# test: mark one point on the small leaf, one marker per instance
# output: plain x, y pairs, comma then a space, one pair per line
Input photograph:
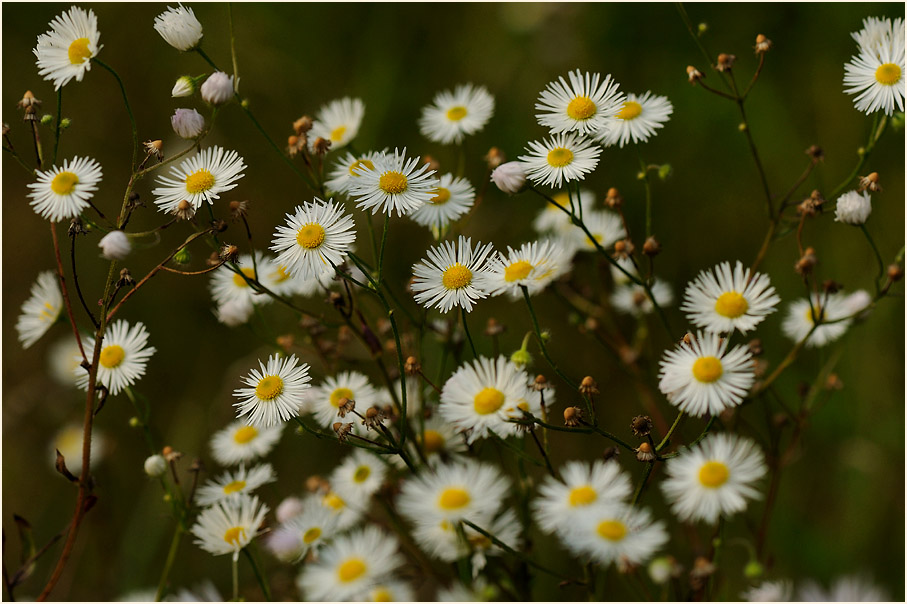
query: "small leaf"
60, 465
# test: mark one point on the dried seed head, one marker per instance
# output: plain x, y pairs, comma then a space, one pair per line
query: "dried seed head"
702, 570
30, 104
833, 382
807, 262
763, 44
155, 148
831, 287
76, 227
755, 346
870, 182
321, 146
588, 386
228, 253
651, 247
494, 158
219, 225
184, 210
171, 455
373, 418
125, 278
613, 199
572, 416
641, 425
295, 144
624, 248
895, 272
302, 125
540, 383
590, 324
238, 210
493, 328
816, 152
316, 483
342, 430
336, 300
645, 452
411, 366
687, 339
694, 74
725, 62
611, 453
286, 341
812, 204
344, 406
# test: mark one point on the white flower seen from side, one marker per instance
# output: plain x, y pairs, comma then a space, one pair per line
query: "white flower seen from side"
218, 88
41, 310
187, 123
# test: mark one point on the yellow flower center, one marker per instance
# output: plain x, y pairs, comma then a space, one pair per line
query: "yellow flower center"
382, 595
245, 434
612, 530
341, 393
48, 313
583, 495
713, 474
731, 305
239, 281
888, 74
310, 236
441, 197
234, 487
454, 498
281, 275
64, 183
630, 110
432, 441
269, 387
809, 313
456, 276
311, 535
337, 133
392, 182
517, 271
351, 570
707, 369
359, 163
560, 157
334, 501
78, 51
455, 114
199, 182
234, 535
361, 474
488, 401
112, 356
581, 108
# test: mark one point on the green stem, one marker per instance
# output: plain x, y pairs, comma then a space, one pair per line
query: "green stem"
878, 127
259, 576
878, 256
57, 126
233, 47
171, 558
645, 173
135, 132
519, 555
642, 483
387, 218
671, 430
472, 346
20, 160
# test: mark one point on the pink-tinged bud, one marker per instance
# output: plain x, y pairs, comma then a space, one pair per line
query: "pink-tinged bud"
187, 123
218, 88
510, 177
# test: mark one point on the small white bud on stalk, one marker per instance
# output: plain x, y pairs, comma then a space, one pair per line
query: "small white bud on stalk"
187, 123
853, 208
155, 466
115, 245
179, 28
218, 88
233, 314
184, 86
289, 508
509, 177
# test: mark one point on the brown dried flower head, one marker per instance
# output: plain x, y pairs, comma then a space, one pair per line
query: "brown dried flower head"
613, 199
572, 416
641, 425
321, 146
694, 74
870, 182
228, 253
645, 452
344, 406
725, 62
411, 366
302, 125
494, 158
763, 44
184, 210
239, 210
588, 386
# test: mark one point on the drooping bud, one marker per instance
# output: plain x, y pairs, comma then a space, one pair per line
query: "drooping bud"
155, 466
218, 88
187, 123
115, 245
509, 177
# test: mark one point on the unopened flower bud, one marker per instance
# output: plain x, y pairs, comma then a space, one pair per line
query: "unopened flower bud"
65, 123
218, 88
895, 272
665, 171
651, 247
47, 119
694, 74
184, 86
134, 422
179, 28
521, 358
494, 158
187, 123
540, 383
155, 466
807, 262
624, 248
182, 256
509, 177
753, 570
702, 28
853, 208
288, 509
115, 245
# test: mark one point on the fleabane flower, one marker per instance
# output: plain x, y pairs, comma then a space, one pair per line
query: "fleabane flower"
721, 300
393, 184
583, 105
466, 490
315, 239
703, 377
454, 114
62, 193
201, 178
234, 484
325, 399
187, 123
560, 159
604, 226
509, 177
638, 119
852, 588
770, 591
229, 526
241, 443
834, 312
124, 357
218, 88
343, 175
876, 75
179, 28
877, 31
65, 52
533, 266
615, 533
307, 530
714, 478
853, 208
441, 539
230, 287
452, 275
453, 198
338, 122
554, 220
358, 477
275, 393
633, 299
41, 310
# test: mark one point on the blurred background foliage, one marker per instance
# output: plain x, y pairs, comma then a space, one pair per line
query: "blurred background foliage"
841, 504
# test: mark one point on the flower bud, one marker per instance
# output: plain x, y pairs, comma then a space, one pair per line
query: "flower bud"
155, 466
47, 119
65, 123
187, 123
521, 358
184, 86
753, 570
115, 245
853, 208
179, 28
288, 508
218, 88
509, 177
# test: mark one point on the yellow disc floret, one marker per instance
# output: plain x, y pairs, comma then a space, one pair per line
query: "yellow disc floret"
731, 305
630, 110
713, 474
340, 394
78, 51
888, 74
199, 182
351, 569
310, 236
455, 114
234, 535
112, 356
456, 276
239, 281
360, 163
269, 387
583, 495
361, 474
612, 530
488, 400
234, 487
454, 498
64, 183
441, 197
337, 133
311, 535
392, 182
581, 108
245, 434
560, 157
707, 369
517, 271
432, 441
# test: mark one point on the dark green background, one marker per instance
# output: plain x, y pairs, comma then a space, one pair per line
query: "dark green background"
841, 505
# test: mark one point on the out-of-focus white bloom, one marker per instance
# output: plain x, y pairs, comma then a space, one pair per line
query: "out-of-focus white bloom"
63, 358
68, 442
229, 526
618, 532
637, 120
852, 588
454, 114
308, 529
509, 177
464, 490
853, 208
41, 310
217, 88
179, 28
554, 220
234, 313
770, 591
837, 307
338, 122
288, 509
234, 484
202, 592
358, 477
633, 299
115, 245
187, 123
239, 443
65, 52
62, 193
533, 266
661, 569
155, 466
453, 198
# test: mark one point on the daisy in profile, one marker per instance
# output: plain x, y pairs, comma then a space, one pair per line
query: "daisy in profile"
484, 395
876, 75
240, 443
65, 52
604, 225
394, 184
533, 266
338, 122
703, 377
350, 565
41, 310
560, 159
452, 275
638, 119
721, 300
466, 490
584, 105
770, 591
307, 530
201, 178
228, 286
124, 356
325, 400
316, 238
275, 393
838, 307
344, 173
618, 532
453, 198
234, 484
229, 526
583, 485
553, 220
713, 478
877, 31
853, 588
359, 476
633, 299
62, 193
179, 28
454, 114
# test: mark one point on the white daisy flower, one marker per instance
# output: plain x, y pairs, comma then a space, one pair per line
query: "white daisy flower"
241, 443
769, 591
638, 119
234, 484
229, 526
632, 299
832, 307
583, 105
234, 313
390, 590
878, 31
41, 310
853, 208
393, 184
454, 114
201, 178
275, 393
703, 377
316, 238
616, 532
309, 529
345, 513
338, 122
853, 588
441, 539
69, 441
62, 359
713, 478
465, 490
534, 266
554, 220
452, 275
358, 477
227, 286
62, 193
583, 485
440, 441
324, 401
453, 198
124, 356
606, 227
876, 76
65, 52
721, 301
560, 159
350, 565
343, 175
179, 28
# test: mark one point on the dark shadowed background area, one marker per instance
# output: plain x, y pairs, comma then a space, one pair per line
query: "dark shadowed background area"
841, 503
